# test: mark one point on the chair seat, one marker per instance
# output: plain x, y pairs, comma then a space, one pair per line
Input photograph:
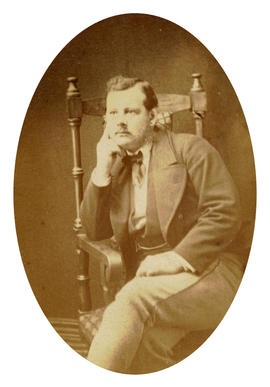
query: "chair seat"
90, 322
69, 330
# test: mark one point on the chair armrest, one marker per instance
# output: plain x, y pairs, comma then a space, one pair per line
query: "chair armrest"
107, 256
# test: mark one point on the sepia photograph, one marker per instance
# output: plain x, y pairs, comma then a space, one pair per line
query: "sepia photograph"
135, 195
163, 214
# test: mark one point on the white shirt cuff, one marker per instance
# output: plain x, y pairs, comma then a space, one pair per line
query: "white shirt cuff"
100, 180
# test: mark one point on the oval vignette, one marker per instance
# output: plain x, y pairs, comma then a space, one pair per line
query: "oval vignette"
134, 45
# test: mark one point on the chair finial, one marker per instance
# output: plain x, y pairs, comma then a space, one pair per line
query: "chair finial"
198, 102
197, 86
72, 89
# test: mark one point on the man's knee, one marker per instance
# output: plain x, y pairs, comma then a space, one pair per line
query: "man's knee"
135, 295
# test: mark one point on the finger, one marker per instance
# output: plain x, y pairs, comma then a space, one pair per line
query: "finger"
115, 149
141, 272
107, 129
110, 146
105, 135
120, 150
147, 273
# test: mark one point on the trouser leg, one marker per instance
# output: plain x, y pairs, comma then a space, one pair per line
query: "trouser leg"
115, 344
197, 308
156, 349
176, 303
125, 320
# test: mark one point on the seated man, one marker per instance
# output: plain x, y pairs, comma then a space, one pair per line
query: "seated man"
172, 207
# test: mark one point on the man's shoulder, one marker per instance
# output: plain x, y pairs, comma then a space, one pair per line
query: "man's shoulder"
186, 147
190, 143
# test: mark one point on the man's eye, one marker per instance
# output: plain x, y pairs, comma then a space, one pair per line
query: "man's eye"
131, 111
113, 112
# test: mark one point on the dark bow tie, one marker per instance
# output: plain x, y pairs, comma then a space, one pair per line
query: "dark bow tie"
134, 159
138, 169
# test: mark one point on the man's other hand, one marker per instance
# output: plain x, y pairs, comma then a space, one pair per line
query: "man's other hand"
160, 264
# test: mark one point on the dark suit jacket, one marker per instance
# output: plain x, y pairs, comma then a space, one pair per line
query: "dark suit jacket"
196, 201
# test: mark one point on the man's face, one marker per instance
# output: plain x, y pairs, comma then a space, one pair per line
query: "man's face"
127, 119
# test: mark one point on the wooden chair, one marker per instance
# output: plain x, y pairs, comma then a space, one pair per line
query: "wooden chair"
104, 253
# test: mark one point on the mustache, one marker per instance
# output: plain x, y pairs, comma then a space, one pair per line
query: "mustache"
122, 130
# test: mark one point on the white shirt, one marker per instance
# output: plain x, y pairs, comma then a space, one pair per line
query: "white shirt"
139, 197
139, 192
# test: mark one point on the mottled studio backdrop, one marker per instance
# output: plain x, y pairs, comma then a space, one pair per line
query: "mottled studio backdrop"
134, 45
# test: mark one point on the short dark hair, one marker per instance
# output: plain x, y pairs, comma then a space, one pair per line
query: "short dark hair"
122, 83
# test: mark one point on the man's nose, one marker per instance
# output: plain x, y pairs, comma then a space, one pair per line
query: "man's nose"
121, 121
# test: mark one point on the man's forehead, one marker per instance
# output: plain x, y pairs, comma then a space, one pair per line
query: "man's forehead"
121, 98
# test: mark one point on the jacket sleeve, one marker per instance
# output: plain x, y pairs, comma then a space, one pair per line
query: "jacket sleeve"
218, 205
95, 212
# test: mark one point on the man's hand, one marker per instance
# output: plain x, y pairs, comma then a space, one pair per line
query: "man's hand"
106, 151
163, 263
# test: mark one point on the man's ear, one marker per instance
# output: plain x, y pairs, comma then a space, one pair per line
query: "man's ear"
153, 117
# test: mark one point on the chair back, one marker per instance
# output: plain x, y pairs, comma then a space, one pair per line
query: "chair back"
168, 104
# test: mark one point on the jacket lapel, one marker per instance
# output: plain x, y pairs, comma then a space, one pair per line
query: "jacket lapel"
169, 180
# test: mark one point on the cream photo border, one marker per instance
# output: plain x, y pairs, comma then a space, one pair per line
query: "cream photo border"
236, 34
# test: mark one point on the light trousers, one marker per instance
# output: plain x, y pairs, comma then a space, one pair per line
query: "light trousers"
150, 315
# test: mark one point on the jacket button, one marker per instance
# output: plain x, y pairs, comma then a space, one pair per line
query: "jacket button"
180, 216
